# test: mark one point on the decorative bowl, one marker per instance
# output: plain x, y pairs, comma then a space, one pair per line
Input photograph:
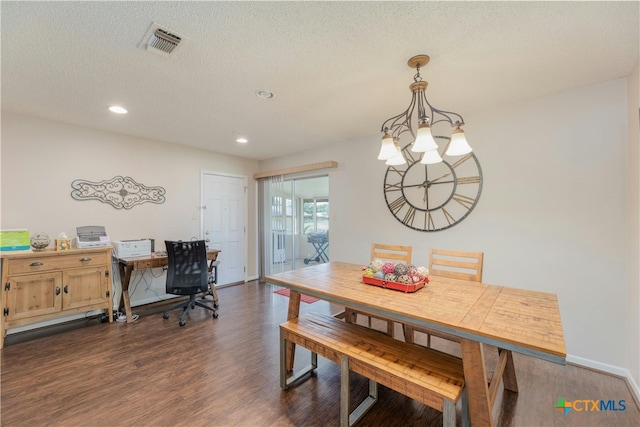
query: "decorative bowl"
40, 241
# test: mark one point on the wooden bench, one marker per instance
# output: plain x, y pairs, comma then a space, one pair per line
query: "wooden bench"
426, 375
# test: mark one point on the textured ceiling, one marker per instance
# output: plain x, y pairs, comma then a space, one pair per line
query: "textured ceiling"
338, 69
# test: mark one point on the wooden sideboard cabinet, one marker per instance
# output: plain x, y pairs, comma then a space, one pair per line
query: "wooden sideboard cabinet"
38, 286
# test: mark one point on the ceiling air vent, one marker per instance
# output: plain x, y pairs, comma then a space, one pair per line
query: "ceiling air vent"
160, 40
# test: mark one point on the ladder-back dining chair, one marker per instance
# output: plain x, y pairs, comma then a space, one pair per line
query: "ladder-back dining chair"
391, 253
453, 264
462, 265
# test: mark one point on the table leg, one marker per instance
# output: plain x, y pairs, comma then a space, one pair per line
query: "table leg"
293, 313
475, 377
213, 268
509, 374
125, 277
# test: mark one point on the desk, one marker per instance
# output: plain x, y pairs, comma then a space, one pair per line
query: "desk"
127, 265
519, 320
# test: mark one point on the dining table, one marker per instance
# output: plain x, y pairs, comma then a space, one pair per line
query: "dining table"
509, 318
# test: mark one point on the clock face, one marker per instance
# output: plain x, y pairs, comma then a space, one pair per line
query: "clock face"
433, 197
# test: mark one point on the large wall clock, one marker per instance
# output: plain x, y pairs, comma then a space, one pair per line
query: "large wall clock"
433, 197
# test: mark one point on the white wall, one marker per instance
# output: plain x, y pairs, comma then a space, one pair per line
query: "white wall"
552, 215
40, 160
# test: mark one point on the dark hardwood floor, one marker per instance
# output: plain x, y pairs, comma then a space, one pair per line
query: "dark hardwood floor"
224, 372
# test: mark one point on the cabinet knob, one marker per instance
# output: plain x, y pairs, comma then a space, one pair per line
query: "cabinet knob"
66, 289
85, 259
36, 264
57, 290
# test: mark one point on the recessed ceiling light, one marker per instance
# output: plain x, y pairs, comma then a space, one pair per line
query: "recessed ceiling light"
117, 109
265, 94
242, 140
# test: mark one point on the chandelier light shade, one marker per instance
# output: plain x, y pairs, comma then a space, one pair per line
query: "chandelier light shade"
388, 149
431, 157
424, 139
427, 116
458, 145
398, 158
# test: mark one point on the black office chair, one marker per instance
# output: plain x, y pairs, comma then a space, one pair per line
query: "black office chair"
187, 274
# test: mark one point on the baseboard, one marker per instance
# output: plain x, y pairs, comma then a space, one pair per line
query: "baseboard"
609, 369
55, 322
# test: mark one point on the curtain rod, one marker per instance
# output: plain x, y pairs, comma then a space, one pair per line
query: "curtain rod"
296, 169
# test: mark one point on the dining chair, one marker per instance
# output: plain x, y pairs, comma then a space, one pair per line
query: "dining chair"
187, 275
391, 253
452, 264
462, 265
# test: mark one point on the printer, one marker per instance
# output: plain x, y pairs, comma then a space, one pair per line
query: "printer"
92, 236
132, 248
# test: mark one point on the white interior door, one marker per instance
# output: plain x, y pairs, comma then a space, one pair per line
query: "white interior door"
224, 223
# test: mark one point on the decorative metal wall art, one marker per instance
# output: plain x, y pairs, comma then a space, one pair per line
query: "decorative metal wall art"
119, 192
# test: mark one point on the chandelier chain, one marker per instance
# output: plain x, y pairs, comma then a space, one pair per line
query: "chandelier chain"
417, 77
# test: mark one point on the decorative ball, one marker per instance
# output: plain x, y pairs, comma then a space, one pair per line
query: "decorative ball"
388, 267
379, 275
40, 241
405, 279
376, 264
423, 271
390, 277
368, 272
400, 269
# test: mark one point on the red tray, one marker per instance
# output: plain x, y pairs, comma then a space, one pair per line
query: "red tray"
394, 285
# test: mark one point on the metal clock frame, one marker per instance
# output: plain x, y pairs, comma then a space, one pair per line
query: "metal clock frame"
402, 171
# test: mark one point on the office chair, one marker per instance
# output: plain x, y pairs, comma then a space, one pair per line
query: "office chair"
187, 274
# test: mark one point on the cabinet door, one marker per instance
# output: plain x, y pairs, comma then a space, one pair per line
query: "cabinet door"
33, 295
84, 288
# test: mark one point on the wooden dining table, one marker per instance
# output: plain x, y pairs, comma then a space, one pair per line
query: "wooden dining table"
510, 319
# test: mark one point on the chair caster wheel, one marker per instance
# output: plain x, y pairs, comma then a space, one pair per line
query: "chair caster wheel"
165, 315
216, 305
214, 315
182, 322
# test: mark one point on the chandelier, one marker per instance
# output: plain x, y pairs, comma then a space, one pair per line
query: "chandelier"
427, 115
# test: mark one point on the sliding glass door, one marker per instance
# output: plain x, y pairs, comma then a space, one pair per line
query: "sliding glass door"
295, 222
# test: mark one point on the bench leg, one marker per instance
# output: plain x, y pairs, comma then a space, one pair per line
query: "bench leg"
349, 419
464, 403
284, 381
344, 391
448, 414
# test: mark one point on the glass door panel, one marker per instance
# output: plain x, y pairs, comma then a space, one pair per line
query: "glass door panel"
296, 222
